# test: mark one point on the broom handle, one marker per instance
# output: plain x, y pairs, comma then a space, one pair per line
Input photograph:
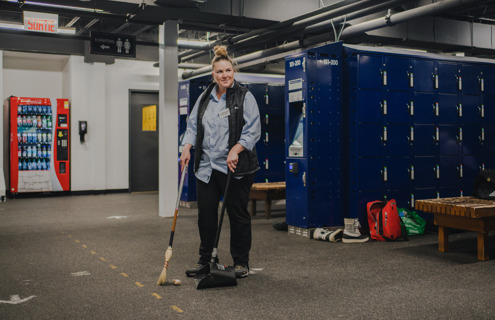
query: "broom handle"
181, 184
222, 213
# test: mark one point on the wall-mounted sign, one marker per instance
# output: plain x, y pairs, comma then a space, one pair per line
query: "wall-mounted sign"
40, 22
113, 44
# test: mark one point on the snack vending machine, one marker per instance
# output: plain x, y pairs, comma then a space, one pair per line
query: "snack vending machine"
37, 138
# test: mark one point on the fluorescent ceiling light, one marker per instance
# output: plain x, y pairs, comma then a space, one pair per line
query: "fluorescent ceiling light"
59, 6
15, 26
192, 42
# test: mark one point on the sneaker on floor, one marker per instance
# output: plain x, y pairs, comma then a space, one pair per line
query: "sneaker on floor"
352, 233
327, 235
241, 271
280, 226
192, 272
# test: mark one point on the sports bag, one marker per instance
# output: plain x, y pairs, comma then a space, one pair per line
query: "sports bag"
484, 187
384, 221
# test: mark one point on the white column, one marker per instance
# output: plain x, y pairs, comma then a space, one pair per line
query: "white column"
2, 177
168, 122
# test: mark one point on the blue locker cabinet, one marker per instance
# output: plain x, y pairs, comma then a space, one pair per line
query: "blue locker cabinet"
313, 134
270, 147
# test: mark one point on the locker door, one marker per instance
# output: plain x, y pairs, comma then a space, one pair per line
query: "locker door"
487, 109
470, 168
371, 106
371, 174
399, 173
425, 109
371, 72
424, 75
448, 109
449, 171
470, 109
471, 75
471, 140
399, 72
447, 77
425, 172
448, 140
489, 79
371, 140
425, 143
296, 193
400, 109
399, 140
488, 140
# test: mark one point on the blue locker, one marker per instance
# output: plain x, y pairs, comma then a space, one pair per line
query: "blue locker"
471, 140
449, 139
371, 139
425, 172
448, 77
400, 73
400, 107
425, 75
488, 140
314, 137
426, 139
426, 108
371, 106
471, 106
400, 172
400, 140
371, 72
471, 165
489, 80
487, 109
448, 109
369, 174
471, 78
449, 171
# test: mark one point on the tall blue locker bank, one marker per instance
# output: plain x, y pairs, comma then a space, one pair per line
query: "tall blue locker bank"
415, 126
269, 94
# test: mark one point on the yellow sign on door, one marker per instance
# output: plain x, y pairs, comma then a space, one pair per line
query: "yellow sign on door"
149, 118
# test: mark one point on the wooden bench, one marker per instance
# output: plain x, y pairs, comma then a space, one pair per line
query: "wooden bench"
465, 213
266, 191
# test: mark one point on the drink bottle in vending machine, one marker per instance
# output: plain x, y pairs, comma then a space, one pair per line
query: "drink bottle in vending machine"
38, 145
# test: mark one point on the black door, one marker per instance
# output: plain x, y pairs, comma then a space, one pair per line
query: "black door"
143, 140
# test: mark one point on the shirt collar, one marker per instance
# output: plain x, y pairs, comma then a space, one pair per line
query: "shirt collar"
213, 93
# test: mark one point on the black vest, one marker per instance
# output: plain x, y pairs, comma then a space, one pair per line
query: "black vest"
248, 159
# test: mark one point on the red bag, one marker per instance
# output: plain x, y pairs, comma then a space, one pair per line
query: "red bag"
384, 221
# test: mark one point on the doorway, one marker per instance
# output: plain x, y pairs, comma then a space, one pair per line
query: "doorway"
143, 140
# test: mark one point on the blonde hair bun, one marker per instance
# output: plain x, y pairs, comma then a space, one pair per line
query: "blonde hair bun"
220, 51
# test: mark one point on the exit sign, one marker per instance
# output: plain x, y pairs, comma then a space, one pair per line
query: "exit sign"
40, 22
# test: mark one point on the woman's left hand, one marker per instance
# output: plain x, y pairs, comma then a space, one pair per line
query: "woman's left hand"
232, 160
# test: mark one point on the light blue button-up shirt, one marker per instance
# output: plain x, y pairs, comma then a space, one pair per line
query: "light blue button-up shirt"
216, 129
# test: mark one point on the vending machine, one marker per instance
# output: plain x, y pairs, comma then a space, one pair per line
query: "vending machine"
36, 145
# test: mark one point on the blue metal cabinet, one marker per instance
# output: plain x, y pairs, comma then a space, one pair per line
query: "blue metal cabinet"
448, 109
371, 72
471, 140
425, 172
471, 109
426, 108
489, 80
425, 75
371, 106
487, 110
401, 107
449, 171
400, 173
400, 140
426, 139
471, 78
488, 140
400, 73
370, 174
448, 77
471, 165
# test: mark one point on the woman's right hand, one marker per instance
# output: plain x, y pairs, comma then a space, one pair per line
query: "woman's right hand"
185, 156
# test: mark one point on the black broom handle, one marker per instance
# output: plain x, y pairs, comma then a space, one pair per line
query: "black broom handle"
222, 213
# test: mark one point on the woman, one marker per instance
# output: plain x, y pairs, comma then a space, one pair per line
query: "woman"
223, 128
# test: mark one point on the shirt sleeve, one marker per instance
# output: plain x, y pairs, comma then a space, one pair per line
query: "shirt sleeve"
251, 131
192, 124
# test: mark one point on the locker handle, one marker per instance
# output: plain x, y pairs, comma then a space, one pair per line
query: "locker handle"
411, 135
459, 136
410, 106
266, 164
482, 110
411, 79
411, 172
482, 84
436, 109
436, 137
384, 107
385, 135
304, 178
459, 109
459, 83
385, 174
384, 77
266, 119
482, 138
412, 201
437, 171
435, 80
461, 171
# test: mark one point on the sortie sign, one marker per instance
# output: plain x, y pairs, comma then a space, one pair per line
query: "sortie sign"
121, 45
40, 22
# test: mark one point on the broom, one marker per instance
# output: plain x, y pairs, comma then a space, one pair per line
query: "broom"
168, 253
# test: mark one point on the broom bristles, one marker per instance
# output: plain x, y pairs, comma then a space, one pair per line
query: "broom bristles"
163, 275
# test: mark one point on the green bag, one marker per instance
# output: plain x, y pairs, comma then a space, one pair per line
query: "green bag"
413, 222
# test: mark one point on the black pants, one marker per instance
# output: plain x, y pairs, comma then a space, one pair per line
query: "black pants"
209, 195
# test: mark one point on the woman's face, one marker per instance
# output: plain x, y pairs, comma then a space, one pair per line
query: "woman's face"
223, 73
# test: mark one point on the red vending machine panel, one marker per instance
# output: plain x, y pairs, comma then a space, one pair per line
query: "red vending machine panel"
39, 145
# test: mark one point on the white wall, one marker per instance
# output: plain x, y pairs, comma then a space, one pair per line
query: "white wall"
99, 94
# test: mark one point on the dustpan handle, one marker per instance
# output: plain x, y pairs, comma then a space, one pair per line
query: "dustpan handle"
214, 254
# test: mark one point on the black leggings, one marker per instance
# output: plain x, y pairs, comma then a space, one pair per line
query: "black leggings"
209, 195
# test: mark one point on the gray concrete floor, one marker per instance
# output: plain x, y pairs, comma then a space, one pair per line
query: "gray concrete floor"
72, 258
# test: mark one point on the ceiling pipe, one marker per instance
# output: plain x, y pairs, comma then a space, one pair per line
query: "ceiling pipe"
388, 20
276, 26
